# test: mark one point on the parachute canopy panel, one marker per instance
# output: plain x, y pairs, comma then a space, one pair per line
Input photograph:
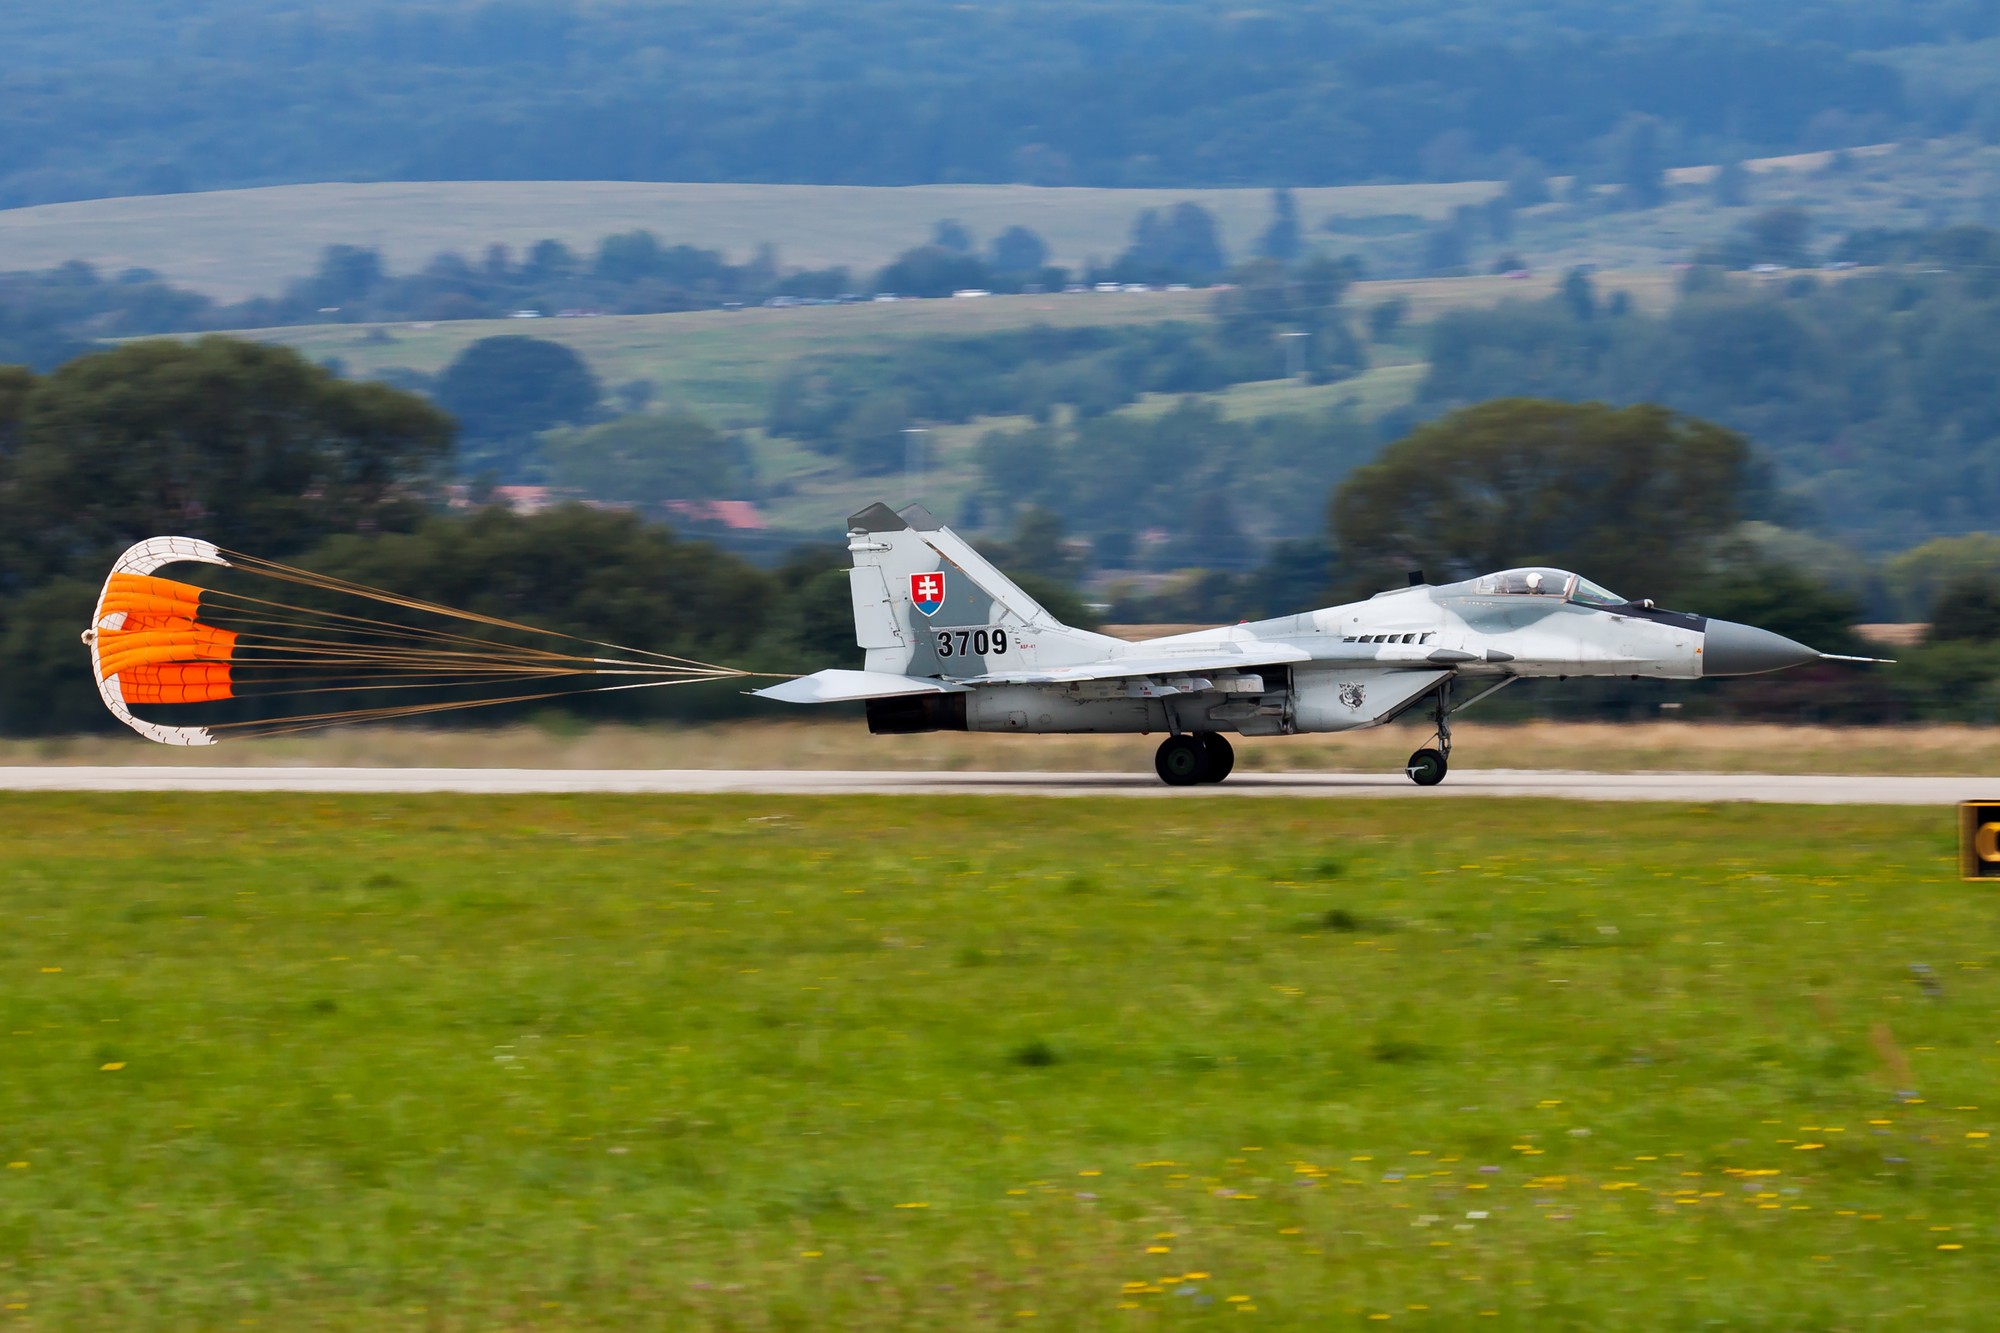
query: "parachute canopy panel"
249, 649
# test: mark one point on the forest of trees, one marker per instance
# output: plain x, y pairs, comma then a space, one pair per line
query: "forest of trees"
1871, 394
258, 450
134, 96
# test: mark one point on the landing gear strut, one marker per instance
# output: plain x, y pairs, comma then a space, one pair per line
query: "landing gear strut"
1192, 758
1428, 766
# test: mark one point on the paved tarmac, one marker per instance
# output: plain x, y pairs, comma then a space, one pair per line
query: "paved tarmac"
1815, 789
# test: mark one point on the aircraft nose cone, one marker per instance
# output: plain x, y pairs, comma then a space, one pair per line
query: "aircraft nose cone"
1731, 649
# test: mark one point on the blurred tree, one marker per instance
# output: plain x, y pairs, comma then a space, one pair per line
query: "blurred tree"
1386, 317
1527, 184
1968, 610
951, 234
1579, 294
1638, 165
1731, 186
505, 389
1446, 253
248, 445
1281, 239
647, 460
1918, 577
1631, 496
1781, 598
628, 257
549, 261
1181, 244
346, 276
1018, 250
932, 270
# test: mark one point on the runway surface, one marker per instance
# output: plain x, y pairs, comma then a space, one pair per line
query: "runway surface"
1816, 789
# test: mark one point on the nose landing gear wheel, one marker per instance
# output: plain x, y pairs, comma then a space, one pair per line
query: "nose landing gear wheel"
1182, 761
1426, 767
1221, 756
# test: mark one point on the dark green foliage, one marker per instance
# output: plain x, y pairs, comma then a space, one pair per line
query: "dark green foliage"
248, 445
1781, 599
1780, 236
932, 270
950, 234
1638, 164
47, 672
1281, 239
1141, 488
1270, 302
505, 389
1968, 610
1632, 497
630, 273
647, 460
857, 406
1872, 397
1386, 317
1018, 250
48, 317
1180, 244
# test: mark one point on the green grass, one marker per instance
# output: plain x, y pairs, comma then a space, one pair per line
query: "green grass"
752, 1063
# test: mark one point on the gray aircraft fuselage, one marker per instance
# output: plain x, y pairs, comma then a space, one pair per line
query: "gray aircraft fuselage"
953, 644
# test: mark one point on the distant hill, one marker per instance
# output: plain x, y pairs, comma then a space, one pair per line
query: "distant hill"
124, 97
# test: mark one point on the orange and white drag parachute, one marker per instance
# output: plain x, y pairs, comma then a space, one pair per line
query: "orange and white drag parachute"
214, 659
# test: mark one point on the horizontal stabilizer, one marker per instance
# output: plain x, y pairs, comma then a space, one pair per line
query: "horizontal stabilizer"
830, 687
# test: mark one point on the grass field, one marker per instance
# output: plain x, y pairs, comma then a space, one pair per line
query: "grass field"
732, 1063
238, 243
1943, 750
723, 364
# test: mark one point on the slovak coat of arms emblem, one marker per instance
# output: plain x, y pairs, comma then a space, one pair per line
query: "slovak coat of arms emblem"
927, 591
1351, 694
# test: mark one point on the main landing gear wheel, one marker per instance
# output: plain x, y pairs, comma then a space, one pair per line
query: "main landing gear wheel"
1182, 761
1426, 767
1221, 755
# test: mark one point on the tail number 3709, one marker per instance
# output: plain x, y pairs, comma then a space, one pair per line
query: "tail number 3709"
971, 642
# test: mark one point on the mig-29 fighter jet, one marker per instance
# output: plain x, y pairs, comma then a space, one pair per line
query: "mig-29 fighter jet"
954, 645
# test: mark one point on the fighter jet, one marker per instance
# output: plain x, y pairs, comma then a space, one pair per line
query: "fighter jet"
954, 645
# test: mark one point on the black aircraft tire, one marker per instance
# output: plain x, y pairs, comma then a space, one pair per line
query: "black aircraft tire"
1426, 767
1182, 761
1221, 756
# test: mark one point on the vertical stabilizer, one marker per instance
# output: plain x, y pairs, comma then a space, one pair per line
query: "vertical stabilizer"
942, 609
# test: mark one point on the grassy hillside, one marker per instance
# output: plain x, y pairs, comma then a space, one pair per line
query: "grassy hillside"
239, 243
757, 1064
722, 363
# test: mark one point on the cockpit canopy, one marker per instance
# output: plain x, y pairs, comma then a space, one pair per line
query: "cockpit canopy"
1560, 584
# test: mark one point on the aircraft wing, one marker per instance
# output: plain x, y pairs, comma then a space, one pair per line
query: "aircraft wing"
1226, 655
835, 686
